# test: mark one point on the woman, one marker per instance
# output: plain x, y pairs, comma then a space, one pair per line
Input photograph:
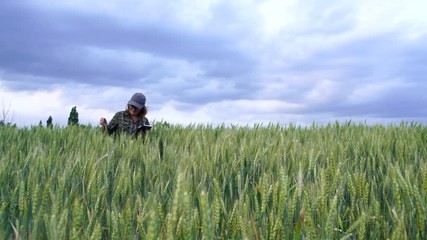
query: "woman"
131, 121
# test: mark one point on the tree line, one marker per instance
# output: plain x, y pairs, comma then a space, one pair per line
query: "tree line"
6, 120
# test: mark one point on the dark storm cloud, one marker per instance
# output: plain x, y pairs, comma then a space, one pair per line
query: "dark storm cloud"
198, 90
56, 46
379, 61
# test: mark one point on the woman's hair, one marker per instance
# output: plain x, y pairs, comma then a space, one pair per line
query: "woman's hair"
142, 112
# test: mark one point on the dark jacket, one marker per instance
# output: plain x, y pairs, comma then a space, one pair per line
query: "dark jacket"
122, 123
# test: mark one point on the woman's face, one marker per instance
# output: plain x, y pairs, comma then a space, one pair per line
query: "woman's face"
133, 110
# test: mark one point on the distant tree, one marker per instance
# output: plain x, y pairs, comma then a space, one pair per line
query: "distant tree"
49, 122
40, 123
73, 119
4, 118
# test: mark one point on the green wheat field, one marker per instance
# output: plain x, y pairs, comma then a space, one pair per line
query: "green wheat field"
337, 181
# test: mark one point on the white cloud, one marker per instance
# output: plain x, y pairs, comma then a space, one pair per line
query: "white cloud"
228, 112
276, 15
323, 91
169, 113
373, 91
30, 107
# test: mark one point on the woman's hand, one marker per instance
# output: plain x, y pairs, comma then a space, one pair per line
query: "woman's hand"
102, 121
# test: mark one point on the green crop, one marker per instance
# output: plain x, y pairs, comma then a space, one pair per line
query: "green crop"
336, 181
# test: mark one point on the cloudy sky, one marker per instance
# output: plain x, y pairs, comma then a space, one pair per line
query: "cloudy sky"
215, 61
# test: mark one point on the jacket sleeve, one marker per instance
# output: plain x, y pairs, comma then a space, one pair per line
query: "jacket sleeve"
114, 123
